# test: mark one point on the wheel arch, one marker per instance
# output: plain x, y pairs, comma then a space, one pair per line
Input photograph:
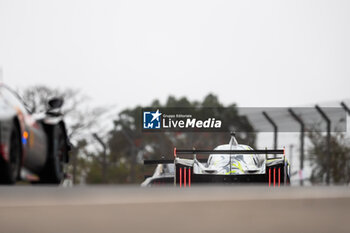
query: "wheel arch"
17, 124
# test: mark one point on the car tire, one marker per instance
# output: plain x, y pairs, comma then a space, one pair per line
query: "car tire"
10, 169
53, 172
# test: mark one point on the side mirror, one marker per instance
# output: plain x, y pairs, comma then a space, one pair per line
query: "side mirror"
55, 103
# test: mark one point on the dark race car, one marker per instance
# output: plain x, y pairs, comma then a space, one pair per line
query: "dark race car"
32, 146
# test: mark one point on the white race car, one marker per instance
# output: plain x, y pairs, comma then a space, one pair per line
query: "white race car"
229, 163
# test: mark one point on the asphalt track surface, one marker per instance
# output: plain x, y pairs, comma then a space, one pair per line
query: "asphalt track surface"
199, 209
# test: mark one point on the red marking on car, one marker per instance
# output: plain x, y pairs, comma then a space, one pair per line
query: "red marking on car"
180, 177
4, 151
279, 177
185, 177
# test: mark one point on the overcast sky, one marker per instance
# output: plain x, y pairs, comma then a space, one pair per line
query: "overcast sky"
254, 53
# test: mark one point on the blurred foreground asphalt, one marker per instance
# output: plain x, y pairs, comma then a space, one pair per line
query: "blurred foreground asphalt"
172, 210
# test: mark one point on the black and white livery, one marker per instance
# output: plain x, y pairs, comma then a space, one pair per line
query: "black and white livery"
228, 163
32, 146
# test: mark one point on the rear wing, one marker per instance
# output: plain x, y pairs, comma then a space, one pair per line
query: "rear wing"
208, 152
244, 152
193, 151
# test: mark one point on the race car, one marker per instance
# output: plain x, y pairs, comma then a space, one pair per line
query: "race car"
163, 175
32, 146
228, 163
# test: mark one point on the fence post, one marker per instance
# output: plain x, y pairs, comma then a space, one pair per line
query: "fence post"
328, 121
275, 128
302, 138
